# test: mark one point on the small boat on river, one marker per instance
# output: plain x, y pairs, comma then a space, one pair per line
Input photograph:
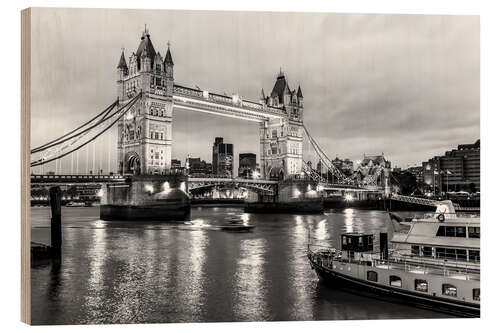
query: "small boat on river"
237, 224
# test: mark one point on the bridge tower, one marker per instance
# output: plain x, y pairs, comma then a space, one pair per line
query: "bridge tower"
145, 132
281, 140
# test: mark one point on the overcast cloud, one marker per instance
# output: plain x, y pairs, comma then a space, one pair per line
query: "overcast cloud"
405, 85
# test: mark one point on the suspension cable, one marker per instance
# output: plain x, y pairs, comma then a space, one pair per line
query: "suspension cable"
313, 173
127, 107
80, 134
326, 160
44, 146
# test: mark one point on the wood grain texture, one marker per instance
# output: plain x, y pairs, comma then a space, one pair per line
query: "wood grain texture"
25, 170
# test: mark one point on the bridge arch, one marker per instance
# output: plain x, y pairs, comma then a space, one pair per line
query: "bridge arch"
132, 163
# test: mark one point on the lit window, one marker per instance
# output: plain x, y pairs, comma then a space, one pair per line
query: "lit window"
421, 285
449, 290
395, 281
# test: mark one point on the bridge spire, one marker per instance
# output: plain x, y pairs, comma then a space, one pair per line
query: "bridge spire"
280, 74
122, 64
168, 57
299, 92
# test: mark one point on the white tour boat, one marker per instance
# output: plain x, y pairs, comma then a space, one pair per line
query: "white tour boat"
432, 260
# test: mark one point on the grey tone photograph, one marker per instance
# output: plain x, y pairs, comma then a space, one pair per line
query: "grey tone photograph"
221, 166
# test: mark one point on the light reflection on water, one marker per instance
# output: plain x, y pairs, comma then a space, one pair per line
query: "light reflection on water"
301, 302
124, 272
349, 220
249, 295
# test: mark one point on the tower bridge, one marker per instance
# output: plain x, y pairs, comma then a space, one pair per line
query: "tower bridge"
142, 114
145, 134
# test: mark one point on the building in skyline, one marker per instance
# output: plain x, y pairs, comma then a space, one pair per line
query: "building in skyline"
197, 166
345, 165
417, 172
222, 158
457, 170
247, 164
175, 164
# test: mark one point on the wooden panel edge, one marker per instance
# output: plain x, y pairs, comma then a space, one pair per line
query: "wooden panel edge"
25, 169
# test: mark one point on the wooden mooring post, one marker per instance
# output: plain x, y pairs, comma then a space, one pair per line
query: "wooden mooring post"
55, 196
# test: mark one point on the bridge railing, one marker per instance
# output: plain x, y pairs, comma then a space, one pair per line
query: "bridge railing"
75, 178
232, 180
226, 100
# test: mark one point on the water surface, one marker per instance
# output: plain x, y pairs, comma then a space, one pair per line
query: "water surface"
138, 272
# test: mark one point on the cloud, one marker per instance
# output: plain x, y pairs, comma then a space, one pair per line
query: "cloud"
407, 85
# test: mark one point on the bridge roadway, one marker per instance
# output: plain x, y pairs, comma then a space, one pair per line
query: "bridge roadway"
194, 183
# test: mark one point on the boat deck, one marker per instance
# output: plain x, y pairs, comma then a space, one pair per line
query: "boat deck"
327, 258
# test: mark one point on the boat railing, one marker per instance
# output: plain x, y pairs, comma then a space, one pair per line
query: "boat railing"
328, 257
446, 216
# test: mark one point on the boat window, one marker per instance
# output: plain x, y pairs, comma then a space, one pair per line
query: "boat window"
451, 254
449, 290
440, 252
449, 231
474, 232
474, 256
415, 250
421, 285
445, 253
344, 240
372, 276
427, 251
395, 281
461, 232
461, 254
445, 231
475, 294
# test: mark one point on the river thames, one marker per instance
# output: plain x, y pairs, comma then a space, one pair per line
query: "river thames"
138, 272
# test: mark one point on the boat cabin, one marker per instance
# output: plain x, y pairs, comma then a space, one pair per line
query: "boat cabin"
354, 244
357, 242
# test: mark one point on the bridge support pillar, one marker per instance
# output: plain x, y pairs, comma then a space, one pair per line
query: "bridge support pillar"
292, 196
147, 197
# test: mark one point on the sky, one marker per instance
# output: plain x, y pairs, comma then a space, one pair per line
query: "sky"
403, 85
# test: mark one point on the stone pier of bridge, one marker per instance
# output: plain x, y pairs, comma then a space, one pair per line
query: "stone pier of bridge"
147, 197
